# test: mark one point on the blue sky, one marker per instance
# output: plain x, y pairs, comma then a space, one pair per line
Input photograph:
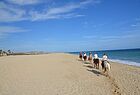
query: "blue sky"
69, 25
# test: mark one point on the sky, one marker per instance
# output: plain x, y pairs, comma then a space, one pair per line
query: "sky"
69, 25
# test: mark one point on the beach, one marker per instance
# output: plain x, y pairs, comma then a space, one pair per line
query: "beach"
64, 74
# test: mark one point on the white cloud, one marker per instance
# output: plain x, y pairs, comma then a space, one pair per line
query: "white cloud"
6, 30
60, 12
24, 2
11, 13
11, 29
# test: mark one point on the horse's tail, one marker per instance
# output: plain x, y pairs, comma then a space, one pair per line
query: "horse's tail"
109, 67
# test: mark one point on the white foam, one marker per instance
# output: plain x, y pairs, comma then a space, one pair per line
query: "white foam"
125, 62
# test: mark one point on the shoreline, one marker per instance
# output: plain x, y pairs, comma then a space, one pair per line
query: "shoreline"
131, 63
127, 62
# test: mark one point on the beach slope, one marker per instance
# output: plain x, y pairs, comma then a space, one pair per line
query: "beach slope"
64, 74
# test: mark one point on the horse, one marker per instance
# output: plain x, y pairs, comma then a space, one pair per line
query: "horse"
85, 58
106, 66
80, 56
96, 63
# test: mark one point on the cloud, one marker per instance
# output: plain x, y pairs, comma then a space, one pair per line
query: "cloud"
136, 25
6, 30
12, 13
65, 11
111, 37
24, 2
137, 19
89, 37
99, 37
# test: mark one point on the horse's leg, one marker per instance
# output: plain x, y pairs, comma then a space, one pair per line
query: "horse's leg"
98, 65
95, 65
91, 62
105, 69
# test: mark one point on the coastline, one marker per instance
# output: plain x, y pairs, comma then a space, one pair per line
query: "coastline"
64, 74
127, 62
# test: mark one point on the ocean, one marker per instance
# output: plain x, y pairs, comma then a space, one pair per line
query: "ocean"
125, 56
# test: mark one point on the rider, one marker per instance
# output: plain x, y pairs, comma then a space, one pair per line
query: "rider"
105, 58
90, 56
85, 56
95, 56
80, 55
96, 60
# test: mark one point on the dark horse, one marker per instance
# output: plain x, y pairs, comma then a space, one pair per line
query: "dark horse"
85, 58
96, 63
80, 55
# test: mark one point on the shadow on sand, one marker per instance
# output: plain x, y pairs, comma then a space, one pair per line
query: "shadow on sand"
79, 59
94, 71
85, 62
89, 66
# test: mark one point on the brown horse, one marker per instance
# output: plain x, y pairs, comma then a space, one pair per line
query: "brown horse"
80, 55
85, 58
96, 63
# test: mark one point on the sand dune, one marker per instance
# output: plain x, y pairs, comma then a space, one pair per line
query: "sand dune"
64, 74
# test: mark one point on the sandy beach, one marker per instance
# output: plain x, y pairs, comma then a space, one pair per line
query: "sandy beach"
64, 74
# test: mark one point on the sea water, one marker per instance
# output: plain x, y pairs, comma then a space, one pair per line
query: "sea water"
125, 56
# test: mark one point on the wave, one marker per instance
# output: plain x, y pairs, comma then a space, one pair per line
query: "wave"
125, 62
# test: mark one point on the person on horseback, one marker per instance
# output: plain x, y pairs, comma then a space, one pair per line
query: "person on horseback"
106, 66
85, 56
90, 56
80, 55
96, 61
105, 58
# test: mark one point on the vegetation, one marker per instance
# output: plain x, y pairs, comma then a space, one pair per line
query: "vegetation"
3, 53
9, 52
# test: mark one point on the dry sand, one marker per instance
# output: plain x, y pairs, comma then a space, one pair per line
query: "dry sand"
64, 74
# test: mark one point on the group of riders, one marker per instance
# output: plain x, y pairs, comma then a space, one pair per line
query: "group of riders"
94, 60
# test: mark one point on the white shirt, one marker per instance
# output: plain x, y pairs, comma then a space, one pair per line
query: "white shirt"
85, 54
104, 58
95, 56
